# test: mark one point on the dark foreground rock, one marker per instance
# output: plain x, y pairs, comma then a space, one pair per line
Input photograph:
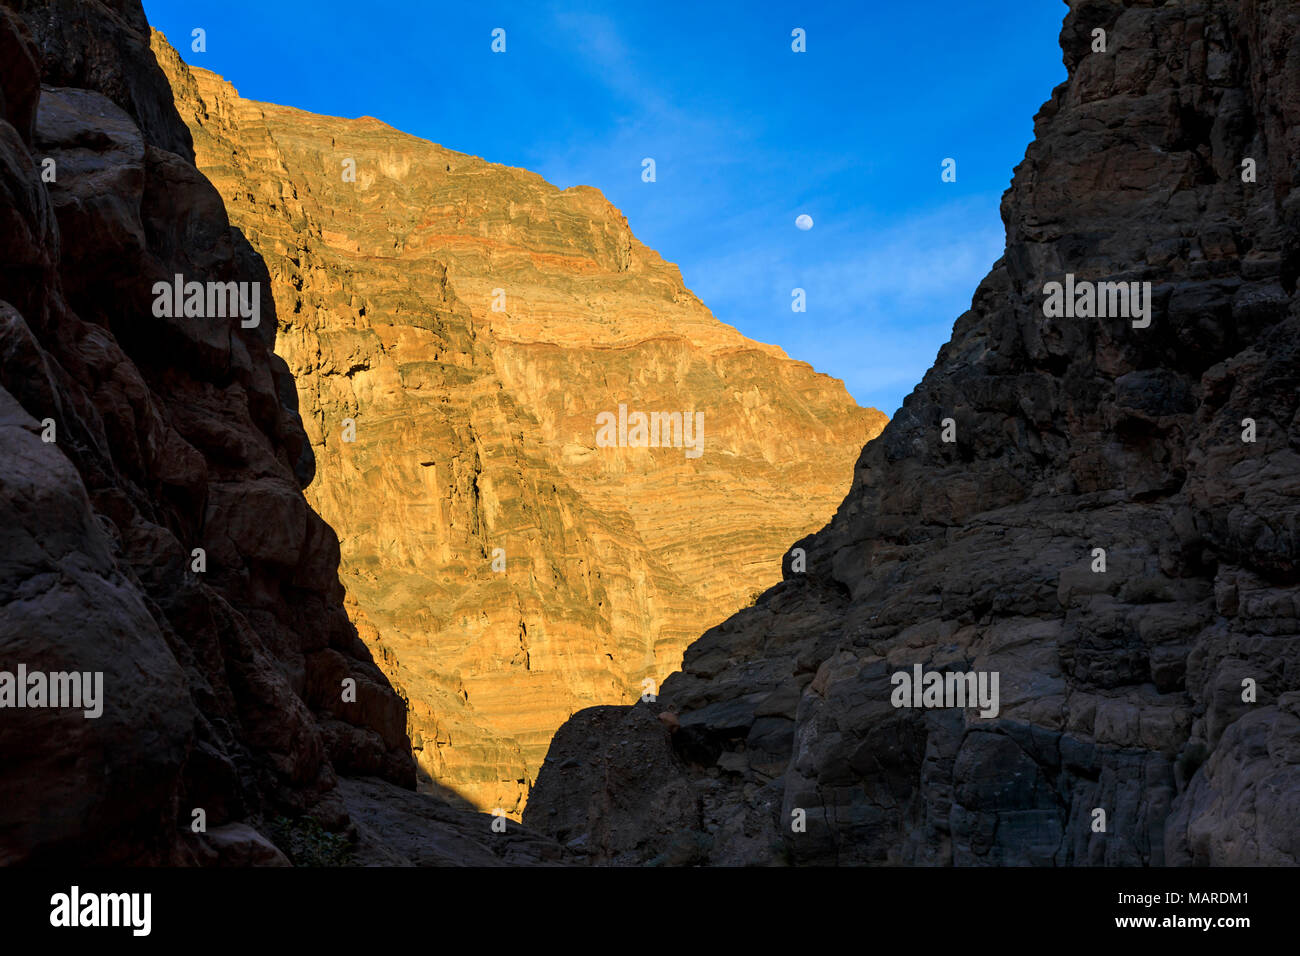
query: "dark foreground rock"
1125, 691
396, 827
153, 529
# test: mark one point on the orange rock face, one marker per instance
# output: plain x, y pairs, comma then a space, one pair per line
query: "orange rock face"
458, 330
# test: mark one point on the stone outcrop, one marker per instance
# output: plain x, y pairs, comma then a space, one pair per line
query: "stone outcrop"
1163, 690
470, 322
153, 529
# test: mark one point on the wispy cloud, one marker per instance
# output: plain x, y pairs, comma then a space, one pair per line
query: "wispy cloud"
880, 302
601, 53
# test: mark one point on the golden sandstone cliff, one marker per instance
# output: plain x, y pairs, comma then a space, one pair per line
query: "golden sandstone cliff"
456, 328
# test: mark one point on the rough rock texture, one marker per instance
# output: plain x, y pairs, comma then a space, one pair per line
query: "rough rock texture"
221, 688
476, 429
397, 827
1120, 690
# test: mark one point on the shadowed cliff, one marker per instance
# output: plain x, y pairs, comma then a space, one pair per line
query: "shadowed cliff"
1110, 527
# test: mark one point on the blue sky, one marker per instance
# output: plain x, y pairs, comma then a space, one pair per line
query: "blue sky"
745, 133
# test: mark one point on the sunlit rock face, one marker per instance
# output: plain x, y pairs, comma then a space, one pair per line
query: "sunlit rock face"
1112, 528
473, 324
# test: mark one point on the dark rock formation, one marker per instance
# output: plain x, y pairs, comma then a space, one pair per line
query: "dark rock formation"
1125, 690
127, 441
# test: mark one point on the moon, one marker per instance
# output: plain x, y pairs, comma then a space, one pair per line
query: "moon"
804, 222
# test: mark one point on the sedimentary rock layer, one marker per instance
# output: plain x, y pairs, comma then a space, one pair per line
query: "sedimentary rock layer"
1149, 706
455, 328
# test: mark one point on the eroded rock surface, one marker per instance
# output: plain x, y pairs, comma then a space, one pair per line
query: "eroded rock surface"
1121, 691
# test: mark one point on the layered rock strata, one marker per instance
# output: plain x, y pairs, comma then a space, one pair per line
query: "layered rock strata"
1112, 531
456, 328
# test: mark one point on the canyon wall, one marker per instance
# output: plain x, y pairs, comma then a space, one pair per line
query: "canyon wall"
153, 529
455, 327
1102, 533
